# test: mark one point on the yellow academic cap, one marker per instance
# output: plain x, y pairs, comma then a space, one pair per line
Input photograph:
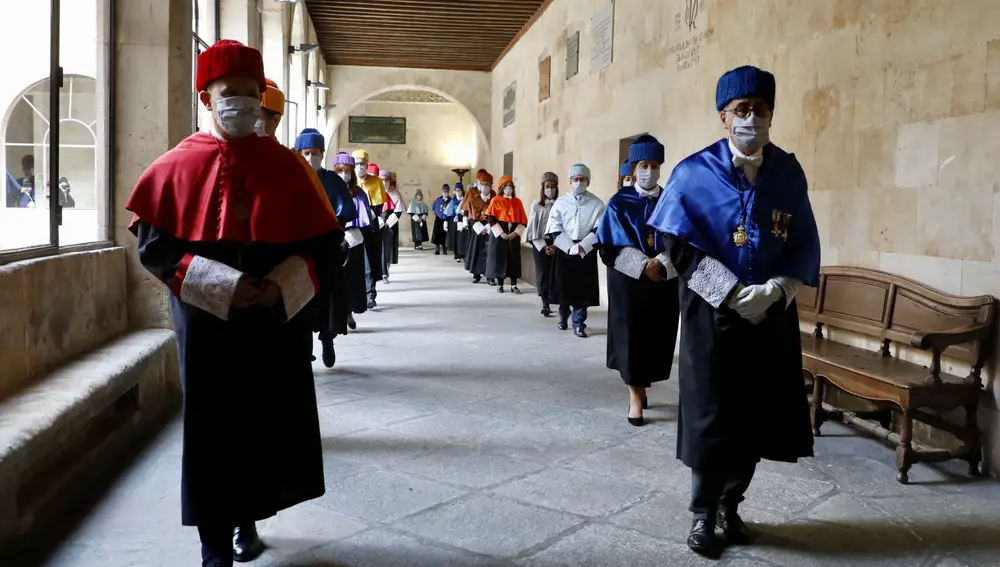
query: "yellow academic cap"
360, 155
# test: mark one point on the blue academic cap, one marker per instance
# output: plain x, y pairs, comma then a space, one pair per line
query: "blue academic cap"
743, 82
645, 148
310, 138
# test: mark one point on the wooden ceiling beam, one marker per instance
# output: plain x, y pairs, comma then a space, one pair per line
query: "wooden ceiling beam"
403, 45
504, 6
414, 64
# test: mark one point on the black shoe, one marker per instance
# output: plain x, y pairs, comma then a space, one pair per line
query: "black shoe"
563, 325
437, 251
385, 279
546, 312
246, 544
735, 529
580, 332
491, 282
500, 289
701, 540
477, 279
329, 354
352, 325
635, 421
516, 290
372, 304
313, 357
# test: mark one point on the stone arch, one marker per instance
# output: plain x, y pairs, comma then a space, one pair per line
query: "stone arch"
339, 114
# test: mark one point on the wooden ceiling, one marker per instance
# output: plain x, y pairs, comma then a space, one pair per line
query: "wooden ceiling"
465, 35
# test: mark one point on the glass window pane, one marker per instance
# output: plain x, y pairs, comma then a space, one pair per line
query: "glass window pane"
24, 100
82, 184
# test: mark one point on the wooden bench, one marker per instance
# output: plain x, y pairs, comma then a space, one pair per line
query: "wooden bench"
891, 309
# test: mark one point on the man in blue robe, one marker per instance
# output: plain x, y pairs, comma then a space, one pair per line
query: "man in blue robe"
642, 286
439, 236
738, 227
330, 303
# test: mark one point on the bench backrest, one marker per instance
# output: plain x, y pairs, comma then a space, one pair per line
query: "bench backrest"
894, 308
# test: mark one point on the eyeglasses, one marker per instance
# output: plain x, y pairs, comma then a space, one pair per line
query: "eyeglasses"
744, 109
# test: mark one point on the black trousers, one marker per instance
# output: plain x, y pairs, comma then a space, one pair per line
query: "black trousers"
719, 491
216, 546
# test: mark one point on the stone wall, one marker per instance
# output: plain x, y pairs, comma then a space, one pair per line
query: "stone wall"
439, 138
890, 105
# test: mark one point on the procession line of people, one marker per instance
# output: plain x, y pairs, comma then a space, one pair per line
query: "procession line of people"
253, 272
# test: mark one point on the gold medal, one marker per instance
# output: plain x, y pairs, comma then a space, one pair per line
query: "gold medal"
740, 237
649, 240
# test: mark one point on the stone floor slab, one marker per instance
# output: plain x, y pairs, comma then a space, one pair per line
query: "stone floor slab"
573, 491
605, 546
384, 496
489, 525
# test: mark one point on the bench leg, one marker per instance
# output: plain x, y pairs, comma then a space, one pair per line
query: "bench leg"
816, 410
975, 451
904, 451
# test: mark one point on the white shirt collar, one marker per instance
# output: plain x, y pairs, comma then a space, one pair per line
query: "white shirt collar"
652, 193
749, 163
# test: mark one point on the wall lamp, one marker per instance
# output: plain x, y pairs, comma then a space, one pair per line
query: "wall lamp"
317, 84
286, 1
321, 108
303, 47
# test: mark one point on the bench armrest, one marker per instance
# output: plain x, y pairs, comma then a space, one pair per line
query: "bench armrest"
940, 340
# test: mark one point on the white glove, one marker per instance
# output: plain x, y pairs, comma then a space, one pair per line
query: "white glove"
753, 301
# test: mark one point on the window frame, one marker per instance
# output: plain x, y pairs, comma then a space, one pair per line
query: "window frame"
55, 78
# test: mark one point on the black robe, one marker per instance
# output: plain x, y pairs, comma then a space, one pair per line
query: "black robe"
475, 256
251, 429
373, 247
461, 239
545, 267
451, 236
503, 257
418, 231
439, 236
576, 279
355, 288
390, 242
642, 324
741, 394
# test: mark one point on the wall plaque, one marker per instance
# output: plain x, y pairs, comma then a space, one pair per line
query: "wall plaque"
508, 164
509, 104
376, 130
602, 30
544, 78
573, 55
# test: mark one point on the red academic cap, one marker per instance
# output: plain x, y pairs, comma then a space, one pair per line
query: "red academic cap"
229, 58
372, 169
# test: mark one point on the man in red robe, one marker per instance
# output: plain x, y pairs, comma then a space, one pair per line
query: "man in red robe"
233, 225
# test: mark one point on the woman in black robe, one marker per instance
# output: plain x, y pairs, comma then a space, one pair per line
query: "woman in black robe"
439, 235
507, 220
418, 211
542, 251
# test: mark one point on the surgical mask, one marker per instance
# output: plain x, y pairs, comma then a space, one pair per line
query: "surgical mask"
237, 115
550, 193
647, 178
345, 175
361, 170
627, 182
315, 160
751, 133
508, 192
485, 190
260, 128
578, 187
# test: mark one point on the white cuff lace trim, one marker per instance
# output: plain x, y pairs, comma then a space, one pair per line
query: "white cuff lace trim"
712, 280
790, 286
210, 286
295, 279
630, 262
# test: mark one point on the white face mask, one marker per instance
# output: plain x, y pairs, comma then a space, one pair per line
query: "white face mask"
627, 182
315, 160
484, 189
647, 178
361, 171
237, 115
260, 128
508, 192
345, 175
550, 193
751, 133
579, 187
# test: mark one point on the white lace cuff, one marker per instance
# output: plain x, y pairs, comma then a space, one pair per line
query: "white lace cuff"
712, 280
790, 286
519, 230
353, 237
564, 242
587, 244
297, 280
206, 284
631, 261
497, 230
668, 265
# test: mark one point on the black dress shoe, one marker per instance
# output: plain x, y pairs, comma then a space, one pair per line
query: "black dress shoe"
735, 529
515, 290
563, 325
580, 332
246, 544
491, 282
546, 311
500, 289
329, 354
701, 540
372, 304
477, 279
352, 325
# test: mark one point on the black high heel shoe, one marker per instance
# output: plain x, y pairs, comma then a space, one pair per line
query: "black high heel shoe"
635, 421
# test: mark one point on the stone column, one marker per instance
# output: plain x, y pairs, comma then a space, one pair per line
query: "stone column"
236, 21
154, 101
